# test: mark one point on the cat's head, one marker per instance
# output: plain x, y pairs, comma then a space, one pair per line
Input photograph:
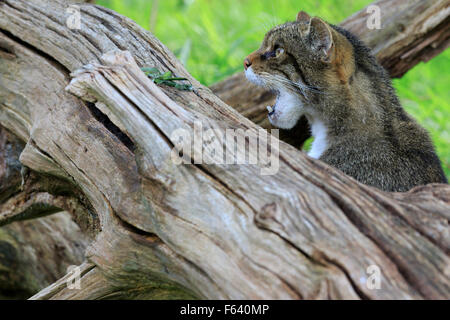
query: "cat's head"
299, 61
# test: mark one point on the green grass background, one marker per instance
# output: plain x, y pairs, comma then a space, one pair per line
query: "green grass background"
212, 37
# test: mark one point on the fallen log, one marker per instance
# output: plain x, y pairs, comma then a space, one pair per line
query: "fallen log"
36, 253
33, 253
202, 229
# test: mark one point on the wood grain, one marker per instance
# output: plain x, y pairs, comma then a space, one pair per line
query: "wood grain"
196, 230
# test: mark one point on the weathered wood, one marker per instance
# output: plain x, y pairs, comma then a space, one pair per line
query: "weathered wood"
36, 253
411, 31
10, 179
197, 230
33, 254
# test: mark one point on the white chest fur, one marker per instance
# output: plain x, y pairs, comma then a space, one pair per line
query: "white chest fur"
320, 144
288, 110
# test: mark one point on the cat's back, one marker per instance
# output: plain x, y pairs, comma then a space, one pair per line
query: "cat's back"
398, 157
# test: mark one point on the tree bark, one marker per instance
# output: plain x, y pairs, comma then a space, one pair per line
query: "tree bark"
200, 229
34, 253
411, 31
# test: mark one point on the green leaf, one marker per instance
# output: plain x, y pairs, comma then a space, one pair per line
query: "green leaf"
177, 78
166, 78
167, 75
152, 72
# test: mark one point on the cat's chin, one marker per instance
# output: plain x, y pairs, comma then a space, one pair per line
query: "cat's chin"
287, 110
254, 78
288, 107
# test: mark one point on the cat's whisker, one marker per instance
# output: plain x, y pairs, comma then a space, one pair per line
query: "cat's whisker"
293, 84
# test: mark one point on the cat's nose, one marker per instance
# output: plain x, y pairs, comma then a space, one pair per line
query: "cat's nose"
247, 63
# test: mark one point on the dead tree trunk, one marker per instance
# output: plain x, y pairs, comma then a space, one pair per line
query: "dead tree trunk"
411, 31
36, 253
103, 149
33, 253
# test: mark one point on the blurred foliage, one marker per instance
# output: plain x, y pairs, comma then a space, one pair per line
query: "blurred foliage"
425, 94
211, 38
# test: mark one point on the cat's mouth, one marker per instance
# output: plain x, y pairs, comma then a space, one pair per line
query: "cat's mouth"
254, 78
285, 98
272, 108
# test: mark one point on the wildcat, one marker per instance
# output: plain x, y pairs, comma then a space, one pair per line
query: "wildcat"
325, 73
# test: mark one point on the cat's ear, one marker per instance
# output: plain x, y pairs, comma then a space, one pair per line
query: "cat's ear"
321, 38
302, 16
304, 21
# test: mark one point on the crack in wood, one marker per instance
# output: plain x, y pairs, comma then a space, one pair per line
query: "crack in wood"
110, 126
38, 52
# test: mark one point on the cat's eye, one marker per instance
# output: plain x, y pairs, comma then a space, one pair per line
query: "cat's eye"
279, 51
